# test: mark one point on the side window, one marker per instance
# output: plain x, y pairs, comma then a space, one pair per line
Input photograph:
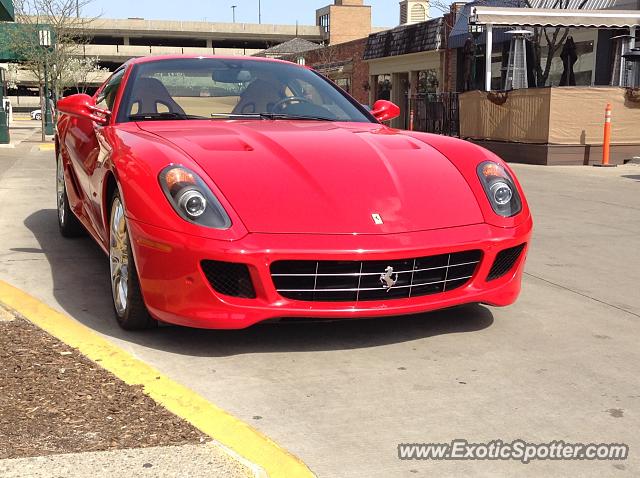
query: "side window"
107, 96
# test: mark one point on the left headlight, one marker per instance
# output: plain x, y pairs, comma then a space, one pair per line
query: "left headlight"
500, 189
192, 199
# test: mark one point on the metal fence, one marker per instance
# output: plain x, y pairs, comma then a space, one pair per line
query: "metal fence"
436, 113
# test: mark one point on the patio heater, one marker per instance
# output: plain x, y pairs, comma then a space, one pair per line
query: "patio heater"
621, 70
517, 66
632, 58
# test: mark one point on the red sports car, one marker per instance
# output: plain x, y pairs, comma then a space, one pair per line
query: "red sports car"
229, 191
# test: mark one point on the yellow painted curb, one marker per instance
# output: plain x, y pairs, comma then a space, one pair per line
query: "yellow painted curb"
47, 147
178, 399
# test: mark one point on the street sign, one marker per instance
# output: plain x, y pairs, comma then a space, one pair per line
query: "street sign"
27, 35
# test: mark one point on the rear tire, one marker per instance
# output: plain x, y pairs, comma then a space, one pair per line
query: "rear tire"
38, 117
68, 223
128, 304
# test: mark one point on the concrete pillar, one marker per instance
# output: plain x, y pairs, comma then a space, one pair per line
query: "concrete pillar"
126, 41
487, 60
632, 32
209, 43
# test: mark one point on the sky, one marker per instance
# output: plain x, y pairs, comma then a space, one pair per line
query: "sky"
385, 12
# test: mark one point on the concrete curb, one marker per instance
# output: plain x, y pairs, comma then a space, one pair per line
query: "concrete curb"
256, 451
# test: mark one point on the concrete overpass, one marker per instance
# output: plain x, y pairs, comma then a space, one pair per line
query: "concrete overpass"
208, 32
114, 41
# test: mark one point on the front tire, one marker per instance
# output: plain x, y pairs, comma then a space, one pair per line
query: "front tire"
128, 305
68, 223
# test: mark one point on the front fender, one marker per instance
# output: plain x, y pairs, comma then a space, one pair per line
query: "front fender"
466, 157
136, 161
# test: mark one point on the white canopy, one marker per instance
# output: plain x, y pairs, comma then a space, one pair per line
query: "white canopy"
500, 16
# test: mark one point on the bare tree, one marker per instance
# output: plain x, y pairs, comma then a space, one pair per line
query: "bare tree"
81, 72
68, 33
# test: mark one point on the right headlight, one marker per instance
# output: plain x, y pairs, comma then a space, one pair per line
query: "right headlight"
500, 189
192, 199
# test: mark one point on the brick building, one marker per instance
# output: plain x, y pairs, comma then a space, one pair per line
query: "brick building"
344, 21
343, 64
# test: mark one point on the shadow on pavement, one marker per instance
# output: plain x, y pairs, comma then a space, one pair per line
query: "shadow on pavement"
632, 176
80, 276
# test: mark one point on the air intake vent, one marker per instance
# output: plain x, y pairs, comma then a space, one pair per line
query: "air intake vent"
354, 281
229, 278
504, 262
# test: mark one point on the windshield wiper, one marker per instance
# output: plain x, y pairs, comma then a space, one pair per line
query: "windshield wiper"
235, 115
269, 116
285, 116
166, 115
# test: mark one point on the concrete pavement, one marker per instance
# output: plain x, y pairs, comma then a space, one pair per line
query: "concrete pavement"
162, 462
560, 364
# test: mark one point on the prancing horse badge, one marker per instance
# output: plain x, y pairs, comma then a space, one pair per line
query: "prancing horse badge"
377, 219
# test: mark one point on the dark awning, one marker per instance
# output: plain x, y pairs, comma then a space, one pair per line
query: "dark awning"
7, 13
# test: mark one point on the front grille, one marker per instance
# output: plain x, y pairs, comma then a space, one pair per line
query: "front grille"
353, 281
504, 262
229, 278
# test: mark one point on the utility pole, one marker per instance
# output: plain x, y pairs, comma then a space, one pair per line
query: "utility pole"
77, 8
259, 13
45, 110
233, 9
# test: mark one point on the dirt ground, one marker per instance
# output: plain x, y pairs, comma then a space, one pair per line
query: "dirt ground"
53, 400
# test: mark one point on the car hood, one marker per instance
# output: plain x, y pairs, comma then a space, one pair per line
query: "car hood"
328, 178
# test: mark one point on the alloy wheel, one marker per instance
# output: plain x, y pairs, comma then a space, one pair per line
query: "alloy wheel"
60, 191
119, 257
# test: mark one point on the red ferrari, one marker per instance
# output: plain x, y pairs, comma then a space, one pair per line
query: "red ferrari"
229, 191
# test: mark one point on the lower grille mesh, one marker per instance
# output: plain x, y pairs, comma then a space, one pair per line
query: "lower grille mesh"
229, 278
504, 262
353, 281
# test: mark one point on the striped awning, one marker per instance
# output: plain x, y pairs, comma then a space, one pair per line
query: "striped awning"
540, 17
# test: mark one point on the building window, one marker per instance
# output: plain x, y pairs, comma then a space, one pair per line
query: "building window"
427, 81
344, 83
323, 21
418, 13
301, 61
384, 87
583, 68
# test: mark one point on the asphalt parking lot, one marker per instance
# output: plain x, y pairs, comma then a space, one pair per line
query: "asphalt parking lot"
561, 364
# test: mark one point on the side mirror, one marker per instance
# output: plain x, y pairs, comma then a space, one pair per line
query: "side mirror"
384, 110
83, 106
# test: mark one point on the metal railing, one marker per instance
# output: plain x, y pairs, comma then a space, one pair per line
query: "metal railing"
436, 113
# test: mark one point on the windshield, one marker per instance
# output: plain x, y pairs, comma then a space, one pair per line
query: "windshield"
208, 88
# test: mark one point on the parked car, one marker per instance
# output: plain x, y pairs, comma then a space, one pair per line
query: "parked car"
229, 191
36, 115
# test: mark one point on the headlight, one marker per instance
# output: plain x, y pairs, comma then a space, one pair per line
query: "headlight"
191, 198
500, 189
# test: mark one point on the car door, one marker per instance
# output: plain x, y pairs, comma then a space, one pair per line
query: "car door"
85, 145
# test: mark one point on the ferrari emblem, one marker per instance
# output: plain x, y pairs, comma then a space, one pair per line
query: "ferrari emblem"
377, 219
387, 280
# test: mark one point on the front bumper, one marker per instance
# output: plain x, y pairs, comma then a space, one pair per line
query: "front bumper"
176, 291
